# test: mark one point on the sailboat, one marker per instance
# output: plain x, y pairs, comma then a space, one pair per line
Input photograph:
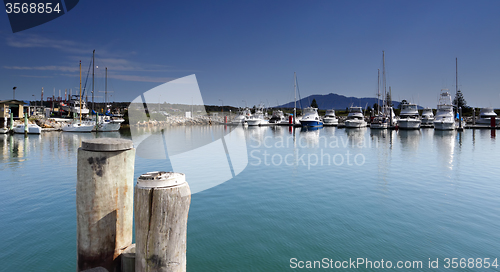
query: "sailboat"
382, 119
108, 122
79, 125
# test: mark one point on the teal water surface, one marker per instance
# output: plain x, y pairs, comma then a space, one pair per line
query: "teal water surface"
304, 196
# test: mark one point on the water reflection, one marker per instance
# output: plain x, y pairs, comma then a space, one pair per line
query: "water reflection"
309, 137
445, 144
356, 136
409, 140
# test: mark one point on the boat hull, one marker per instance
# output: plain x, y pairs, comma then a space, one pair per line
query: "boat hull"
443, 125
254, 122
109, 126
378, 125
32, 129
330, 121
311, 123
409, 124
79, 127
355, 124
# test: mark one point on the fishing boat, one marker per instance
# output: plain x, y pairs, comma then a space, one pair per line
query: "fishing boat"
330, 119
109, 123
242, 116
409, 118
310, 118
32, 129
485, 117
444, 119
79, 125
427, 118
278, 118
257, 118
355, 118
75, 106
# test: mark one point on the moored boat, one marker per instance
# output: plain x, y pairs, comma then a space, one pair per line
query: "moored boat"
427, 118
257, 118
242, 117
330, 119
355, 118
310, 118
278, 118
109, 123
485, 117
444, 119
409, 118
32, 129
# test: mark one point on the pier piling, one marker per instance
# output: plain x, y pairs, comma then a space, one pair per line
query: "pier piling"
104, 202
25, 123
161, 208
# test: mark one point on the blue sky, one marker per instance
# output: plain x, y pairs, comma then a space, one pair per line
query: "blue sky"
249, 50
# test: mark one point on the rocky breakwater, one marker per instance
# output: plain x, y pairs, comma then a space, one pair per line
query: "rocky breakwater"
182, 121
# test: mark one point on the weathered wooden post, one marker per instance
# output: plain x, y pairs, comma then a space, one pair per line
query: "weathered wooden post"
104, 202
25, 123
492, 122
11, 120
161, 208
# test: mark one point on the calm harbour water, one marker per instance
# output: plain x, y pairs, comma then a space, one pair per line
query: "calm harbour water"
329, 193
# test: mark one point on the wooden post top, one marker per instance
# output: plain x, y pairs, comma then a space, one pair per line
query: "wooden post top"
107, 144
160, 179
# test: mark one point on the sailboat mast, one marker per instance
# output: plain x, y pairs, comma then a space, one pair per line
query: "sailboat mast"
106, 89
456, 80
93, 65
295, 94
80, 92
383, 77
378, 92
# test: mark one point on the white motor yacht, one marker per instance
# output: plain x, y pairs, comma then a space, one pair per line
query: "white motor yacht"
444, 119
79, 126
73, 106
409, 118
242, 117
257, 118
355, 118
278, 118
427, 118
310, 118
109, 123
32, 129
330, 118
485, 117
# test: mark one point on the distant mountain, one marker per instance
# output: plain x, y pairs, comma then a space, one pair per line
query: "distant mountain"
335, 101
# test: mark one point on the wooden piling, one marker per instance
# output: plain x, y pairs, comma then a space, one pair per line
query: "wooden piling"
161, 209
25, 123
11, 120
104, 202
